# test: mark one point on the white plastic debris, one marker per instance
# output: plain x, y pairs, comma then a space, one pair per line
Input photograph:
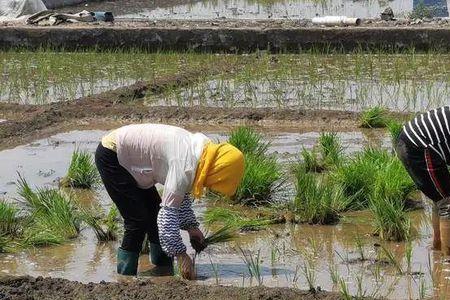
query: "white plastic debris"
336, 21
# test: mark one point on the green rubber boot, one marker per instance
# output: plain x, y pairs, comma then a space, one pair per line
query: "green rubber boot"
158, 257
127, 262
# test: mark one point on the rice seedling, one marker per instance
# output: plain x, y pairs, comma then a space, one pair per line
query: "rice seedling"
330, 149
392, 260
53, 218
5, 242
104, 227
253, 264
317, 201
309, 272
365, 177
391, 222
261, 181
343, 290
409, 255
375, 117
82, 171
359, 242
395, 128
215, 268
222, 235
310, 162
248, 141
9, 219
233, 219
334, 273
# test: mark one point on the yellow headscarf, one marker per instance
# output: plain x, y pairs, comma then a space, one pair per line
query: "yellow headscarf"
220, 168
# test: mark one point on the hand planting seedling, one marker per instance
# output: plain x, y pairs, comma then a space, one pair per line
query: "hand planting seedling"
222, 235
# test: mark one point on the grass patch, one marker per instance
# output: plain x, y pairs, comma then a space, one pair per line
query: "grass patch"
317, 201
375, 117
82, 172
53, 218
234, 219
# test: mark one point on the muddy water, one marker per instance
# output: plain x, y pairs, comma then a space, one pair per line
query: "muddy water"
284, 250
258, 9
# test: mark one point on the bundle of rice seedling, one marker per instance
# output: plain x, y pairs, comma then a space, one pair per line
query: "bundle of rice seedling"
248, 141
53, 216
375, 117
234, 219
105, 228
82, 171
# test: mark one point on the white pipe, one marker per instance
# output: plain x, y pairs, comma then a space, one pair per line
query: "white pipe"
336, 21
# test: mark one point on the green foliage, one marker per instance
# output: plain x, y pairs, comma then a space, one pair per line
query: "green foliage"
327, 154
262, 174
317, 201
373, 172
82, 172
330, 148
9, 220
262, 179
105, 227
4, 243
53, 215
375, 117
234, 219
222, 235
395, 128
248, 141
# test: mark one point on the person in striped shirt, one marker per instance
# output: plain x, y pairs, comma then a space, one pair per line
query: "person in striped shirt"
132, 159
424, 148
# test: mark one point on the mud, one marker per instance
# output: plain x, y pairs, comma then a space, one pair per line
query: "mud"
211, 37
53, 288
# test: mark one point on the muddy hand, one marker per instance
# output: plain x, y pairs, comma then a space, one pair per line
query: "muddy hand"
186, 266
197, 240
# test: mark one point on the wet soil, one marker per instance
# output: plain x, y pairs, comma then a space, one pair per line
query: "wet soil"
18, 288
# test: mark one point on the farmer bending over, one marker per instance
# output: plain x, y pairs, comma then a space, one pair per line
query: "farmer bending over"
132, 159
424, 149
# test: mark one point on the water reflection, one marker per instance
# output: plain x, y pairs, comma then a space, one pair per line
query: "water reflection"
435, 8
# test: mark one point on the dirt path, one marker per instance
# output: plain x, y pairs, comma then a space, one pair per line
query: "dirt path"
18, 288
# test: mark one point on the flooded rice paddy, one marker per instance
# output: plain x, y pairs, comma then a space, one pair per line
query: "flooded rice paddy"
261, 9
400, 82
290, 255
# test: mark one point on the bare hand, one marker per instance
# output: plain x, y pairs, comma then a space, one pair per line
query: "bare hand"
197, 239
186, 266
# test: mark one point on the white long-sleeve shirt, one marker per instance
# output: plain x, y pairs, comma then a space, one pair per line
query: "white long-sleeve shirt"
169, 155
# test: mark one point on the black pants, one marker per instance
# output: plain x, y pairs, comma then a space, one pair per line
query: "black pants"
427, 169
138, 207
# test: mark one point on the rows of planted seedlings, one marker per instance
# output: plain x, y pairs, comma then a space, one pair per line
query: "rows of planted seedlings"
44, 216
327, 183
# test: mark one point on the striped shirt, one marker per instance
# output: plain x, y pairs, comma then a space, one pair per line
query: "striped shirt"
431, 130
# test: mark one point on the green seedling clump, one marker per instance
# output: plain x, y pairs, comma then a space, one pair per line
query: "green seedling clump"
262, 179
375, 117
234, 219
395, 128
105, 227
248, 141
10, 223
53, 216
82, 172
317, 201
262, 176
327, 154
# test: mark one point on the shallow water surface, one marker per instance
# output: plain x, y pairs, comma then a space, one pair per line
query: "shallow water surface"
287, 252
